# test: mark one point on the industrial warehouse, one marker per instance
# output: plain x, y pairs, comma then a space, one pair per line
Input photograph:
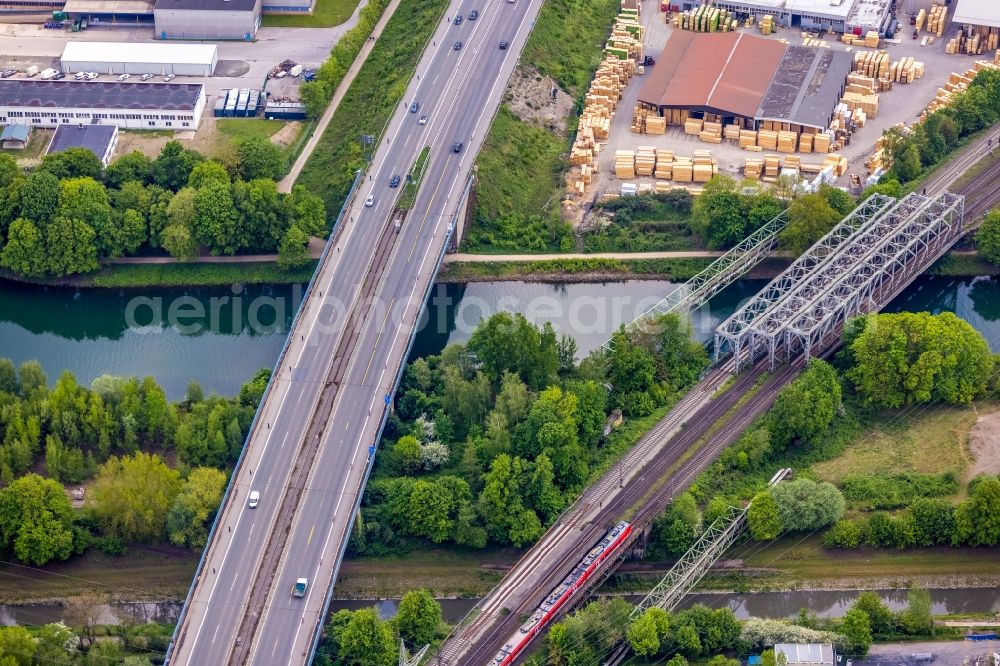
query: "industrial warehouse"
207, 19
837, 16
739, 79
112, 58
127, 105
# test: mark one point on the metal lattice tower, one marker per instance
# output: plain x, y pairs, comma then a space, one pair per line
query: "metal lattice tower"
731, 335
404, 656
696, 562
716, 276
843, 276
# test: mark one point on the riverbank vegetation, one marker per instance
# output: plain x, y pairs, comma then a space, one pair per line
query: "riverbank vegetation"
371, 99
86, 643
71, 213
573, 270
114, 438
490, 440
127, 276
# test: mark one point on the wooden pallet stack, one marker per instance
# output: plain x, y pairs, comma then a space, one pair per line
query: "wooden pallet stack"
906, 70
731, 132
974, 40
683, 169
921, 19
625, 164
858, 101
871, 39
645, 160
806, 143
753, 168
704, 166
584, 149
937, 20
767, 139
821, 142
772, 166
748, 138
705, 18
639, 116
693, 126
956, 84
711, 132
664, 164
766, 24
874, 64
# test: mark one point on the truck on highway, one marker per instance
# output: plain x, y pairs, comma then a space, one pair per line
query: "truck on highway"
299, 589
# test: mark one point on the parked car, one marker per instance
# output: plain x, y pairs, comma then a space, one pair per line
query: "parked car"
503, 45
458, 20
80, 76
474, 14
90, 76
370, 201
457, 147
422, 121
457, 46
394, 181
414, 107
124, 77
58, 75
146, 77
169, 77
7, 73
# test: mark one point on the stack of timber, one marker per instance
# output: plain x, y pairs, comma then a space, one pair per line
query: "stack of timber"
974, 40
645, 160
753, 167
693, 126
705, 18
787, 141
956, 84
704, 166
874, 64
871, 39
921, 18
711, 132
767, 139
766, 24
625, 164
683, 170
748, 138
869, 103
664, 164
812, 41
821, 142
806, 142
676, 116
585, 148
646, 121
937, 19
772, 166
731, 132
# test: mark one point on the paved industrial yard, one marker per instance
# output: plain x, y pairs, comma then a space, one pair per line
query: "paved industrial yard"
902, 104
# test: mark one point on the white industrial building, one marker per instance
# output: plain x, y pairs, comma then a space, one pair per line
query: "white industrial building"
140, 58
978, 12
288, 6
837, 16
207, 19
127, 105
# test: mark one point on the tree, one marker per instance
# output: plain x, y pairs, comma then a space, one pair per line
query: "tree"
915, 357
40, 197
509, 342
132, 167
406, 454
73, 163
24, 252
178, 240
265, 214
988, 237
306, 211
809, 218
194, 507
366, 641
418, 617
762, 518
632, 373
36, 520
86, 200
934, 521
916, 619
172, 167
805, 505
257, 157
103, 653
977, 520
17, 647
839, 200
132, 496
718, 213
71, 246
675, 530
207, 172
294, 249
857, 629
805, 408
879, 616
642, 635
501, 506
216, 222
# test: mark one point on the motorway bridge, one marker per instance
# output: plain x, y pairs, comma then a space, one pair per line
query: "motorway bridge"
311, 445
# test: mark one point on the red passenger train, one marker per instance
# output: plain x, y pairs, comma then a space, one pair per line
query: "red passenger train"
562, 593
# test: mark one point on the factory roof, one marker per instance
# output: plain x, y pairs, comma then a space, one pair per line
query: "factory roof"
116, 7
95, 138
806, 86
978, 12
15, 133
869, 13
836, 8
99, 95
140, 52
207, 5
720, 72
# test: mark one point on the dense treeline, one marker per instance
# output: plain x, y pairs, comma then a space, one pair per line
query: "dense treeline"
69, 213
888, 361
489, 441
109, 432
927, 142
84, 644
361, 638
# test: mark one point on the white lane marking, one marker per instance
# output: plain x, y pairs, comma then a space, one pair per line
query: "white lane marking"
216, 632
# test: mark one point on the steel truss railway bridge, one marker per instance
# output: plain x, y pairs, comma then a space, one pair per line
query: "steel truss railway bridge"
857, 268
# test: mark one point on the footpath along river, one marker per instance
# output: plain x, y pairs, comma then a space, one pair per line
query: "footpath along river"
761, 604
220, 336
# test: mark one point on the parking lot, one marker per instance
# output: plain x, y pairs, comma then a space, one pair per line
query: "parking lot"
943, 653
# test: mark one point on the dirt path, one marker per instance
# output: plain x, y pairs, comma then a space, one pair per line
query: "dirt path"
285, 185
984, 445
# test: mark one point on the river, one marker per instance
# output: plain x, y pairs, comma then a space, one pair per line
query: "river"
761, 604
220, 336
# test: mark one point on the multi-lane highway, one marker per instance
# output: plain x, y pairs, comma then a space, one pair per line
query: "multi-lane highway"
309, 453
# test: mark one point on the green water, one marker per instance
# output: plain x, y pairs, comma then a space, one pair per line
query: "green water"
221, 336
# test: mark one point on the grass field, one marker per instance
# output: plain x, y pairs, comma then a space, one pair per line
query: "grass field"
369, 101
327, 13
247, 128
444, 573
932, 441
38, 141
192, 275
140, 574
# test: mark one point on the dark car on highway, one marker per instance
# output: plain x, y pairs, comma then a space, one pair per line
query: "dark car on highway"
414, 107
457, 147
458, 20
394, 181
474, 14
504, 45
457, 45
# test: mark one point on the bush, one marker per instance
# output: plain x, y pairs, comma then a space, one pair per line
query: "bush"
846, 533
890, 491
805, 505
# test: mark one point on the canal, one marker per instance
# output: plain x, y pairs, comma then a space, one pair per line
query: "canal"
220, 336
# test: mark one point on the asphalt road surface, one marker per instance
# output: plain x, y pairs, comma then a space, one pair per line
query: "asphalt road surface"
458, 90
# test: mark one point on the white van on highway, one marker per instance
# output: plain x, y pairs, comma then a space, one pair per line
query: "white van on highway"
254, 499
